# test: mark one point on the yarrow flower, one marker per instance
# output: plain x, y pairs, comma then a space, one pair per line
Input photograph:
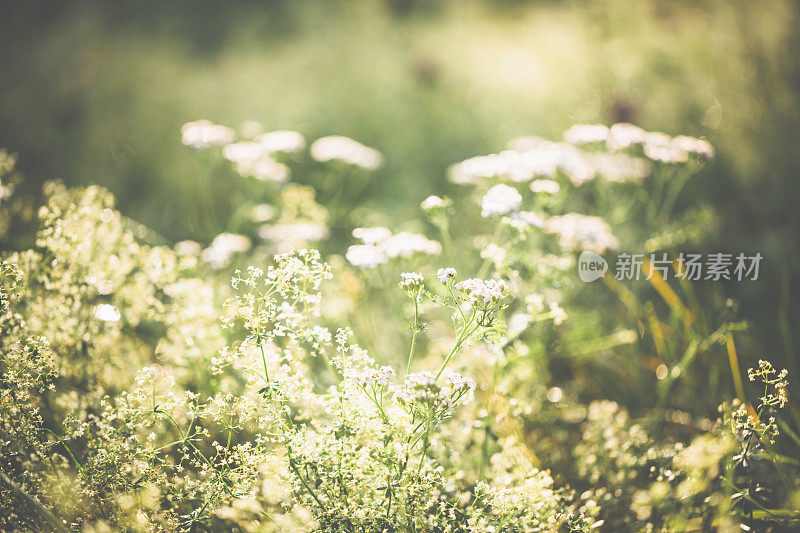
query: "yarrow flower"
380, 246
411, 280
421, 390
374, 377
581, 232
446, 275
365, 256
107, 313
223, 247
292, 236
545, 186
281, 141
374, 235
251, 159
523, 220
500, 200
586, 134
623, 135
204, 134
347, 150
483, 291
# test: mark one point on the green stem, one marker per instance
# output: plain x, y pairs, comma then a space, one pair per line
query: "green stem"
414, 330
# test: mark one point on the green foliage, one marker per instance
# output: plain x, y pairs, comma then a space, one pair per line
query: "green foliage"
326, 397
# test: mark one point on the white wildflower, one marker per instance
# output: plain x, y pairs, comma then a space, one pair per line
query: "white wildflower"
523, 220
445, 275
374, 235
374, 377
692, 145
281, 141
623, 135
411, 280
581, 232
586, 133
500, 200
187, 247
107, 313
223, 247
252, 160
204, 134
545, 186
432, 202
406, 244
365, 256
346, 150
620, 167
294, 235
483, 291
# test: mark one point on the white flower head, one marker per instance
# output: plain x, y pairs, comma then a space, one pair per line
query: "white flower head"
692, 145
483, 291
365, 256
223, 247
586, 134
500, 200
432, 202
458, 387
545, 186
347, 150
581, 232
374, 235
374, 377
251, 159
411, 280
204, 134
406, 244
281, 141
446, 275
623, 135
107, 313
523, 220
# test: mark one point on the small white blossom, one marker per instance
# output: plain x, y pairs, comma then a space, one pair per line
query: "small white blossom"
374, 377
346, 150
485, 291
500, 200
445, 275
623, 135
406, 244
107, 313
586, 133
432, 202
524, 219
204, 134
545, 186
374, 235
581, 232
411, 280
281, 141
223, 247
365, 256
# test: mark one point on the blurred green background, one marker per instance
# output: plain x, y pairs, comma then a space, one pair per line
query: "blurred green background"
96, 92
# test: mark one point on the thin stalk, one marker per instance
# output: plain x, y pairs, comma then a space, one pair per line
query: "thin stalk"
414, 330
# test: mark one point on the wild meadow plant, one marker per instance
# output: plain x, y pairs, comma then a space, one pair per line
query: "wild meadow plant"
469, 383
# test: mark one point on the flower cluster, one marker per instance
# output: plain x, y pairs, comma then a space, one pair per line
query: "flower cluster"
500, 200
581, 232
204, 134
411, 280
446, 275
478, 291
380, 245
422, 393
346, 150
